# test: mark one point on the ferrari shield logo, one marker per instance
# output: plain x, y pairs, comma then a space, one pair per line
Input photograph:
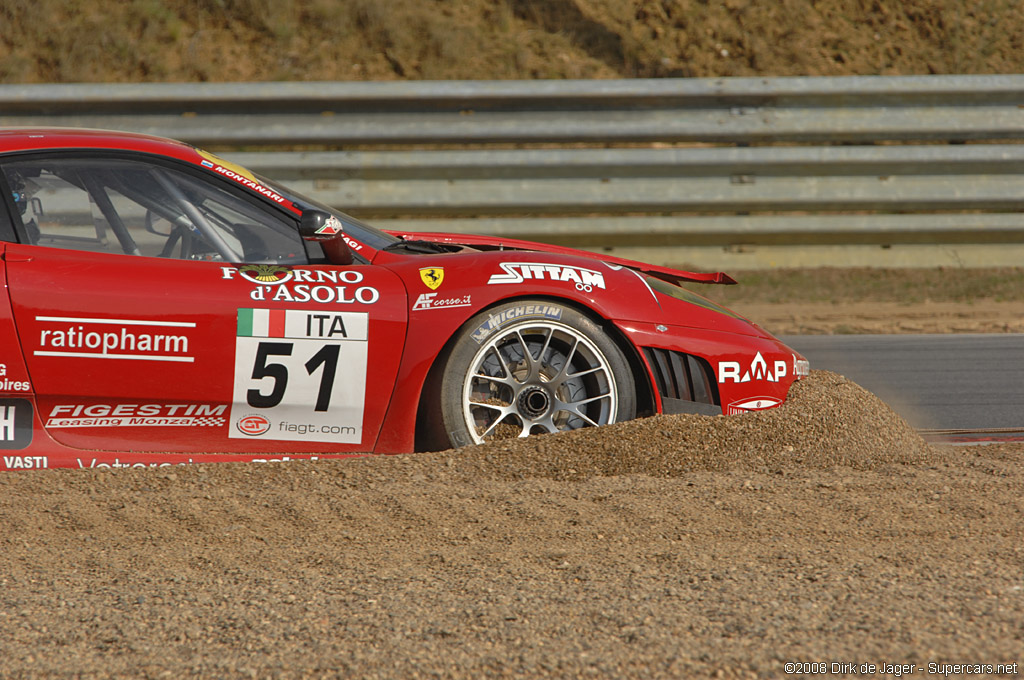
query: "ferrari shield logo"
432, 277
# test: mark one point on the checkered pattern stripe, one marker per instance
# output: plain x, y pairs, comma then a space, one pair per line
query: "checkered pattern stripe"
211, 421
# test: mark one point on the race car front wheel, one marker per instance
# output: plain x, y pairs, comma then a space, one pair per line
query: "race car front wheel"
532, 367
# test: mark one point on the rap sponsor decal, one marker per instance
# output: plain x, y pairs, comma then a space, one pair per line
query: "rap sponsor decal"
517, 272
300, 375
136, 415
127, 339
758, 370
15, 424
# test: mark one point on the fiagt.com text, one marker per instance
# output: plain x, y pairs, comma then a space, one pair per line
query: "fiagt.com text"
899, 670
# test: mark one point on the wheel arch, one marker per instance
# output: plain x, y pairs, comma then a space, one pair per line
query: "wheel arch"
429, 439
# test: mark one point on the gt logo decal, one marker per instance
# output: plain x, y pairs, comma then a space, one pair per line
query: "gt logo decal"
253, 425
730, 370
432, 277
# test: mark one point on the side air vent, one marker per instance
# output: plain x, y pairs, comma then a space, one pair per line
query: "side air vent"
685, 382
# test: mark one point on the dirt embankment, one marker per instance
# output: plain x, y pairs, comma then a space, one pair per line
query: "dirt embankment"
241, 40
680, 546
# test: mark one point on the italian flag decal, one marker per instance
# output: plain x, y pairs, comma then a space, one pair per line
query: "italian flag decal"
261, 323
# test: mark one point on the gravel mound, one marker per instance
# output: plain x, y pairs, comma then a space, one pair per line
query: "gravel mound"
587, 554
827, 421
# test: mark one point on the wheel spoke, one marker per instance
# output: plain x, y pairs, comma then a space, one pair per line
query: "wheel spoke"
494, 407
532, 365
547, 343
501, 360
595, 369
497, 421
562, 376
590, 399
495, 379
576, 412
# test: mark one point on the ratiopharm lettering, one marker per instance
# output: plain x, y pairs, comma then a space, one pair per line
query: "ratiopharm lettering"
129, 339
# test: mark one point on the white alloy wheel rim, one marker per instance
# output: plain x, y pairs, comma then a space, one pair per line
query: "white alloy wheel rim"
536, 378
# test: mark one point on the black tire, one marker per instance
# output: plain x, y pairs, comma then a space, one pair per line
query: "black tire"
531, 367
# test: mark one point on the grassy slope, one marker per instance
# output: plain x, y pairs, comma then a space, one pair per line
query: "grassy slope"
907, 286
259, 40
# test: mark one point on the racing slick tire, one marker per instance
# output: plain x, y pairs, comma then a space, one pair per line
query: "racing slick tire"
531, 367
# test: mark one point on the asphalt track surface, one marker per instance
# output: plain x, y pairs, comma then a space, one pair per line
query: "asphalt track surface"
936, 382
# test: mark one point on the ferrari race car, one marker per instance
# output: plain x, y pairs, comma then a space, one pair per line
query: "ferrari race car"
164, 306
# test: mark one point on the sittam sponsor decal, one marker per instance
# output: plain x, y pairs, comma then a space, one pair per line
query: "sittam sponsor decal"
518, 272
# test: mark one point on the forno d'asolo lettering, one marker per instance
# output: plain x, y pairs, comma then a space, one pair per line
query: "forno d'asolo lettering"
323, 286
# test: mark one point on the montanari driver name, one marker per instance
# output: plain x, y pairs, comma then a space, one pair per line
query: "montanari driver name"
136, 415
255, 186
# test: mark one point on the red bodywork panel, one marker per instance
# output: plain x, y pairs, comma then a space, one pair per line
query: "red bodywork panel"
664, 273
119, 360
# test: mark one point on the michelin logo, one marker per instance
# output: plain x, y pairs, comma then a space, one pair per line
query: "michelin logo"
497, 321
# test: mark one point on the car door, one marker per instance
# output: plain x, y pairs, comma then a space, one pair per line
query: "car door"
163, 310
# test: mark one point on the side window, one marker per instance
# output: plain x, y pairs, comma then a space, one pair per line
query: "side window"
136, 208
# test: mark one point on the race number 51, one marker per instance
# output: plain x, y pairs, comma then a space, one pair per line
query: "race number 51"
299, 375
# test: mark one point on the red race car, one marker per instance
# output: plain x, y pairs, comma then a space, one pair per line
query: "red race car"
164, 306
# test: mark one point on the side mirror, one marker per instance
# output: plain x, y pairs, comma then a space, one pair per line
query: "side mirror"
326, 229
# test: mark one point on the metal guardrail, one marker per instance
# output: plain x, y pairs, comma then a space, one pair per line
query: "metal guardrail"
873, 162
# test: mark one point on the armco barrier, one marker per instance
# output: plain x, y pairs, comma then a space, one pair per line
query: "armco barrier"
738, 171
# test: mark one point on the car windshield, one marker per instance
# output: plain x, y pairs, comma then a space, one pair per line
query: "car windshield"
356, 229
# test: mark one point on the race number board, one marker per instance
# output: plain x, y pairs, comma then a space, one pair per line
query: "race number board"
299, 375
